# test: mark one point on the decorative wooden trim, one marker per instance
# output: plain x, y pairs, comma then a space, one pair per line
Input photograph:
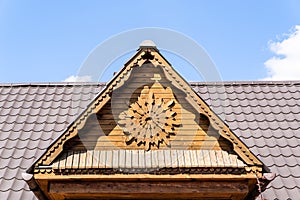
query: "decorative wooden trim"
94, 107
239, 147
153, 56
159, 171
151, 115
148, 177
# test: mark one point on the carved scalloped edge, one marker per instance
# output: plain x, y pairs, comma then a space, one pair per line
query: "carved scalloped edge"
57, 147
216, 122
126, 171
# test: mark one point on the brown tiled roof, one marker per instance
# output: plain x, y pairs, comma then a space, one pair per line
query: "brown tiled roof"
265, 115
31, 116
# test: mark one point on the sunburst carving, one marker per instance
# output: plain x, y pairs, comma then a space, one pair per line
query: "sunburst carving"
151, 120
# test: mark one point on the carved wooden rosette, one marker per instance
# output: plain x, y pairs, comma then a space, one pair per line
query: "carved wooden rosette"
152, 119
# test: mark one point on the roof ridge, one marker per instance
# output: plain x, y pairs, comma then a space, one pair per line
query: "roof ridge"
216, 83
52, 84
222, 83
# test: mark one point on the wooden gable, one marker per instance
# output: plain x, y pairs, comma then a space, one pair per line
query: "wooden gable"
150, 128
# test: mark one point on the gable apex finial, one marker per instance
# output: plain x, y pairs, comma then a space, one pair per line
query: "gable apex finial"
147, 44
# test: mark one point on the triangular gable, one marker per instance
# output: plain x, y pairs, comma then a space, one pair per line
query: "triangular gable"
148, 127
150, 56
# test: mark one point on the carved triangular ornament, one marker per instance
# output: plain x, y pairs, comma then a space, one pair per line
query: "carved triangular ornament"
147, 127
149, 106
153, 118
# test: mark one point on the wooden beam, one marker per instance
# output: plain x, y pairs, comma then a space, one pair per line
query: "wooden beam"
147, 177
143, 187
129, 196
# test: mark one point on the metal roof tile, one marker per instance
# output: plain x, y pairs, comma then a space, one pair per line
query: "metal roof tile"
230, 117
280, 193
287, 102
293, 88
280, 182
278, 133
289, 171
32, 90
233, 125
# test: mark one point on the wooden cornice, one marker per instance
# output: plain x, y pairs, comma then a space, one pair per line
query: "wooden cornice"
135, 186
147, 177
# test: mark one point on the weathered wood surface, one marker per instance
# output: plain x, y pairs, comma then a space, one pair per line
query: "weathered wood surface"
114, 127
140, 159
203, 189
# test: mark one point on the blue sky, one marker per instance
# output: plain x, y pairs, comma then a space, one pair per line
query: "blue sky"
48, 41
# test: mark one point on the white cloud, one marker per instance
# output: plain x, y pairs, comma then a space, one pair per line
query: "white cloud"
285, 65
78, 79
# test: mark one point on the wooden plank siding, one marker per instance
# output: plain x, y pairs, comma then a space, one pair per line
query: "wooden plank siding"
170, 158
203, 190
101, 130
104, 133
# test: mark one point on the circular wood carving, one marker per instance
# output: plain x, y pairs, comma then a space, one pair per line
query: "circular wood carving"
151, 120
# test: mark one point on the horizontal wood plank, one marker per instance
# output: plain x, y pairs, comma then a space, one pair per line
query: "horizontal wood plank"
112, 187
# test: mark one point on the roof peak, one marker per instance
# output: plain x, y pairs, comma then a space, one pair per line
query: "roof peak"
147, 44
